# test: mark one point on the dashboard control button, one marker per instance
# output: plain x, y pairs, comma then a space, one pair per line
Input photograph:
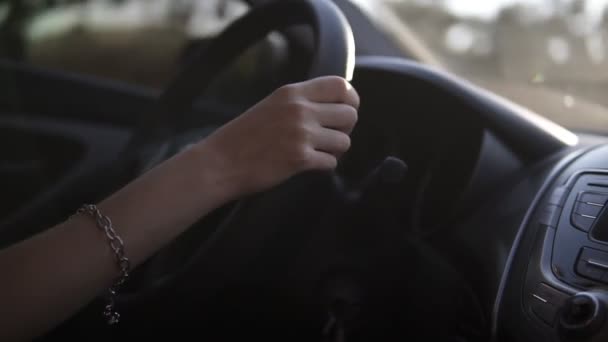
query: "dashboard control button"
546, 301
581, 222
550, 294
587, 210
587, 253
597, 198
590, 271
592, 264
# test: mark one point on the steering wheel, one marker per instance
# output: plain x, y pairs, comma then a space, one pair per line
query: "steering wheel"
334, 54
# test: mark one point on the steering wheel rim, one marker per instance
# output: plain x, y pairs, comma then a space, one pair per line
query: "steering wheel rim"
334, 55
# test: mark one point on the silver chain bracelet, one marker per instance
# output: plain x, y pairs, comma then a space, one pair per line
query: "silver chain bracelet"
104, 223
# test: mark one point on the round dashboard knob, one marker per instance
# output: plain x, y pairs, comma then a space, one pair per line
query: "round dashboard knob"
583, 317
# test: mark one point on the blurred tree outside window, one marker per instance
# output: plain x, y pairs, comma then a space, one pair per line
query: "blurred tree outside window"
137, 41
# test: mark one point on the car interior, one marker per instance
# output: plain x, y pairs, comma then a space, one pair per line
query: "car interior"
457, 214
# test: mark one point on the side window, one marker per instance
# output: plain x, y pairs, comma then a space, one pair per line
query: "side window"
140, 42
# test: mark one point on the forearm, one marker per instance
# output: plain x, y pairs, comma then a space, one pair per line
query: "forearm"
160, 205
50, 276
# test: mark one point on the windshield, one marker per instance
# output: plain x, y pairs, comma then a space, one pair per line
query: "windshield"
548, 55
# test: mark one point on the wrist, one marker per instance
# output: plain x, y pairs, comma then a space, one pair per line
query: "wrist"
213, 173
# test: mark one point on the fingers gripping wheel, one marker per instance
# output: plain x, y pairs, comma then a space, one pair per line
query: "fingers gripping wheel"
334, 54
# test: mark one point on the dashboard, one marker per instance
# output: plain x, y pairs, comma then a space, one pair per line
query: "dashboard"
558, 276
529, 233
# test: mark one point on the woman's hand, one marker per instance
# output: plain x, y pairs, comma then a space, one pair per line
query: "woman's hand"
302, 126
